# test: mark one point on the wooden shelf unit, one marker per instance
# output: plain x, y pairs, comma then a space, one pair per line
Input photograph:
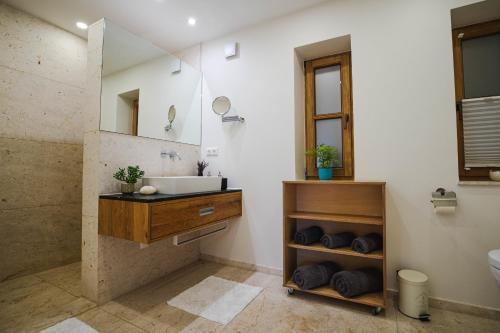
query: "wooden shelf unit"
335, 206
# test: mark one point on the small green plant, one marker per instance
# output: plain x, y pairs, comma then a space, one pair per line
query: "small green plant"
325, 155
133, 174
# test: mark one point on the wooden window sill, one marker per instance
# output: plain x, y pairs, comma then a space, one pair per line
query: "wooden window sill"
478, 183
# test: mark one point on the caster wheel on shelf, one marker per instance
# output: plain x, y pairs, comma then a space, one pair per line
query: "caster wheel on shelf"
291, 291
376, 311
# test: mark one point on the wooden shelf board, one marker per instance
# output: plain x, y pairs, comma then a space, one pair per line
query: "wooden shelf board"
358, 219
332, 182
347, 251
372, 299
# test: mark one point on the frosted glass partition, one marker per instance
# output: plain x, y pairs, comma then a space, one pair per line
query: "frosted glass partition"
329, 132
327, 87
481, 63
140, 83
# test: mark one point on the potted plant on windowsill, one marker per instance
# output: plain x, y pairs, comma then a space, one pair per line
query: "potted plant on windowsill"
128, 178
326, 156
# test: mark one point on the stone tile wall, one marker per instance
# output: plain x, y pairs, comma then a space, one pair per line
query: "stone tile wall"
42, 98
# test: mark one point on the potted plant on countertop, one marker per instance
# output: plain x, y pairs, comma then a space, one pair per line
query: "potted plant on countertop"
325, 155
128, 178
201, 167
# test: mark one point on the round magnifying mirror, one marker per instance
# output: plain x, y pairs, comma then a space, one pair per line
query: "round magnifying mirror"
171, 113
221, 105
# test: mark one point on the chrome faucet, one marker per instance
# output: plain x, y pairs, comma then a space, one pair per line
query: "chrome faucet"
172, 154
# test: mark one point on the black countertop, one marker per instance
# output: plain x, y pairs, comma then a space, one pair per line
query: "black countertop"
157, 197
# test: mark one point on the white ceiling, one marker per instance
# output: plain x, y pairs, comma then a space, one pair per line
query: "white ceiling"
164, 22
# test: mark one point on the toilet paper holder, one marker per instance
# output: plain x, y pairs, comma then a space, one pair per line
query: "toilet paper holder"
443, 198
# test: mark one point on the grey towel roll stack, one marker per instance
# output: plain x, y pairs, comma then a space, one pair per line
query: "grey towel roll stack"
341, 239
357, 282
308, 236
313, 276
368, 243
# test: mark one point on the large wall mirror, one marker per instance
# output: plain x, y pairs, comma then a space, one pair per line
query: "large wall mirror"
148, 92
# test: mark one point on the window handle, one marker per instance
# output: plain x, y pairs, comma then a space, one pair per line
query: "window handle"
459, 111
345, 119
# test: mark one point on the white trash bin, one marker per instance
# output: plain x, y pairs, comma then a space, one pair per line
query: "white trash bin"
413, 294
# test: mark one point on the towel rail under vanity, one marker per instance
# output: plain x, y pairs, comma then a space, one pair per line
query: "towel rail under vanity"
335, 206
146, 219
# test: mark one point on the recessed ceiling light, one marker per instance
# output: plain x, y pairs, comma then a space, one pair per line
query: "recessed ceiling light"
82, 25
191, 21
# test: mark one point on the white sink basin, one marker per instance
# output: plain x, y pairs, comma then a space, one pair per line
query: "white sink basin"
183, 184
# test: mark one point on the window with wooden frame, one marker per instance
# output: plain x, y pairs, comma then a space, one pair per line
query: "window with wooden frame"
476, 55
329, 112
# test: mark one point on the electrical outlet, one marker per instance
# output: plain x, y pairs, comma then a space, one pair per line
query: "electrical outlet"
213, 151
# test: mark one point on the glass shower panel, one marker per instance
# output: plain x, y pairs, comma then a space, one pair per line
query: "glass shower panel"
329, 132
327, 87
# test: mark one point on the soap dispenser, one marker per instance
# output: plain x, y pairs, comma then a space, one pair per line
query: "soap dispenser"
223, 186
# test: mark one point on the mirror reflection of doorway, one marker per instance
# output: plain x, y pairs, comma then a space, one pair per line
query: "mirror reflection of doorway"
127, 113
135, 116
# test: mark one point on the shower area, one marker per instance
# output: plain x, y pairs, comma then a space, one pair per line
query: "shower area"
42, 98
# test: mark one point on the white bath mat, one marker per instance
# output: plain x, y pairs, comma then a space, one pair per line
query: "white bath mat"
71, 325
216, 299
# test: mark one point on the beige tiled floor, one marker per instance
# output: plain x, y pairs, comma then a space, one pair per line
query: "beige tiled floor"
31, 303
65, 277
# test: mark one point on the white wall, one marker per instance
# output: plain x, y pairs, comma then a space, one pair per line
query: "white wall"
404, 133
158, 90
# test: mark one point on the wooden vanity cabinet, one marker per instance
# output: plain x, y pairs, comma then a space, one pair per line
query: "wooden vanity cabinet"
146, 222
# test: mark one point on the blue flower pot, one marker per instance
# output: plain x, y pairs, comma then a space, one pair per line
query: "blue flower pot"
325, 173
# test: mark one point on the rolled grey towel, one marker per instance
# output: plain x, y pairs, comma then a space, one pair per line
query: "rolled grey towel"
368, 243
340, 239
309, 235
313, 276
357, 282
